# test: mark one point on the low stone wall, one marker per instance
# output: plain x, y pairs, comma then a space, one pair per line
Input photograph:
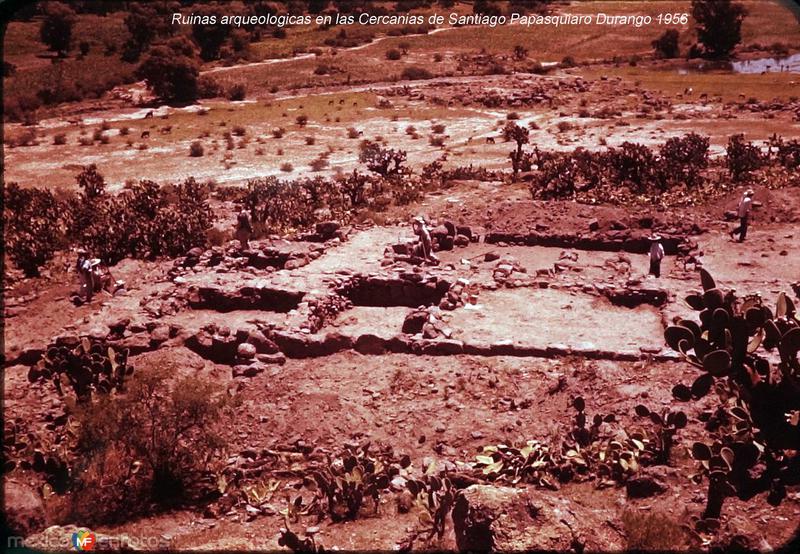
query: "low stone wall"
245, 298
612, 241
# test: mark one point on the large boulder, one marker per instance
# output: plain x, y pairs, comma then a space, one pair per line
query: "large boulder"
502, 518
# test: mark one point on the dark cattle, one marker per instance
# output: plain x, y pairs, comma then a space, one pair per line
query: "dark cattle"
490, 140
148, 114
145, 134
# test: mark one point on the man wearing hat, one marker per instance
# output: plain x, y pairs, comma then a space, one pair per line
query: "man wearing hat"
745, 205
421, 230
85, 273
656, 255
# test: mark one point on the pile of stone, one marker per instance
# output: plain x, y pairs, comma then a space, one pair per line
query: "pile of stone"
322, 309
247, 350
327, 231
427, 323
505, 268
232, 257
460, 293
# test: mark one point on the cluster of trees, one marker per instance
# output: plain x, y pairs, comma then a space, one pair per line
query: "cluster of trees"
146, 220
170, 64
718, 24
638, 169
277, 206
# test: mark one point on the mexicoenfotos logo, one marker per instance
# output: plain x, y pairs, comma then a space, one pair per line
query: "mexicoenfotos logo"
83, 540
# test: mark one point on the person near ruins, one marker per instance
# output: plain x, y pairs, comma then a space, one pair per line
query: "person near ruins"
423, 233
244, 229
83, 266
656, 255
743, 211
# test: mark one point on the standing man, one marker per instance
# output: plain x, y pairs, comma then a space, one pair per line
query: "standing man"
656, 255
85, 273
243, 229
745, 205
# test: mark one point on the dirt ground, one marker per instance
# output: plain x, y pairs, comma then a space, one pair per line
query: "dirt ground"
435, 407
561, 322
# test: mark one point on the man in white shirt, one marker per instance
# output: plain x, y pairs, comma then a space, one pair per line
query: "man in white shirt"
656, 255
745, 205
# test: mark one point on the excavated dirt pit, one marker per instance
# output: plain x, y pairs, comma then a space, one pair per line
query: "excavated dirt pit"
544, 317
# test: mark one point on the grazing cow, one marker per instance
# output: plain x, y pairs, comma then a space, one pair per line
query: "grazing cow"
355, 104
330, 102
490, 140
148, 115
341, 101
688, 91
166, 130
145, 134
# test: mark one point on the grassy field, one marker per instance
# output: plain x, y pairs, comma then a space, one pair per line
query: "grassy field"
728, 86
769, 22
36, 68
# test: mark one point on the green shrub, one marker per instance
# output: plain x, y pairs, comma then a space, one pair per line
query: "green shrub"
34, 227
666, 45
393, 54
196, 149
237, 92
742, 157
415, 74
60, 138
171, 70
151, 445
208, 87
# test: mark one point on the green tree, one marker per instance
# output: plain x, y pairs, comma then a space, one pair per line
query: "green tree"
519, 135
56, 28
719, 25
666, 46
171, 70
209, 38
34, 229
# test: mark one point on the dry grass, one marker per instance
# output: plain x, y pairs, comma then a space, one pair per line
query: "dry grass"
652, 532
727, 85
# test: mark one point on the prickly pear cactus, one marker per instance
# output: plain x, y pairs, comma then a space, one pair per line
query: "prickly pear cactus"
754, 435
86, 368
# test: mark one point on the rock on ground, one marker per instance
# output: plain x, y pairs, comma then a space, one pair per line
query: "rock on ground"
508, 519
